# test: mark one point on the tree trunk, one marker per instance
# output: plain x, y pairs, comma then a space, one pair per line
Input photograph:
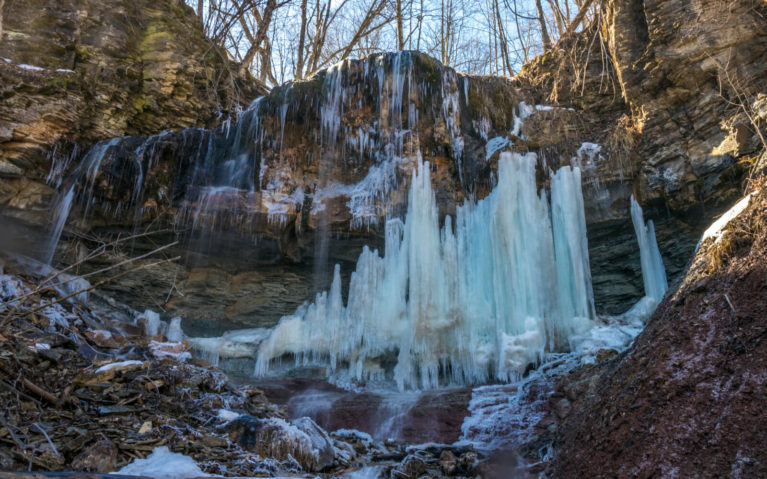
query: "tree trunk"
557, 16
442, 39
1, 20
519, 34
578, 18
544, 31
263, 28
400, 34
504, 42
420, 26
299, 73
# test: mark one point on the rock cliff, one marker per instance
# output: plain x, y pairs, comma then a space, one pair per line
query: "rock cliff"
73, 73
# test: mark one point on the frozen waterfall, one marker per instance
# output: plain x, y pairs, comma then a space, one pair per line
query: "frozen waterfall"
462, 304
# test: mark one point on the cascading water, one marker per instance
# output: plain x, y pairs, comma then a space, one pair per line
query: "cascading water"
461, 305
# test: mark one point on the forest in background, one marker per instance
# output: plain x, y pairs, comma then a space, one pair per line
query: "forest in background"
278, 41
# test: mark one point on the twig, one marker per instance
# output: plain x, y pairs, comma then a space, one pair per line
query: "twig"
40, 391
96, 285
47, 437
22, 446
29, 385
730, 303
101, 249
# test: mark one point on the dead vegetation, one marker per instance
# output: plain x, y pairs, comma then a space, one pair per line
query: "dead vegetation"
82, 388
742, 231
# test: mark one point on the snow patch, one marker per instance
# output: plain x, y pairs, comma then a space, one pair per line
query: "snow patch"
163, 464
227, 415
24, 66
119, 366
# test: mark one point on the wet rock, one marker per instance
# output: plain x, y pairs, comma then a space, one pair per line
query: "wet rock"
605, 355
448, 463
562, 408
321, 441
100, 457
412, 467
273, 437
467, 463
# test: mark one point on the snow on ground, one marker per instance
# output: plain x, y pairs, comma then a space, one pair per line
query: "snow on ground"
119, 366
227, 415
163, 464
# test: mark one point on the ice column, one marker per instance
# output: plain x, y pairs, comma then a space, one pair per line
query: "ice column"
572, 251
653, 272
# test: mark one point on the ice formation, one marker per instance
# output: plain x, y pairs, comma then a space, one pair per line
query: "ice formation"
163, 464
463, 304
505, 416
653, 272
718, 227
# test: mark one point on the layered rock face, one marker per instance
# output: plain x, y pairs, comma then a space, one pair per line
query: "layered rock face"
73, 73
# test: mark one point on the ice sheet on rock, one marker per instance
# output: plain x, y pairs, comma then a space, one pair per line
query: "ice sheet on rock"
175, 333
241, 343
57, 315
24, 66
524, 111
367, 472
163, 464
153, 324
11, 288
363, 437
367, 197
169, 350
64, 284
495, 144
457, 305
587, 156
718, 227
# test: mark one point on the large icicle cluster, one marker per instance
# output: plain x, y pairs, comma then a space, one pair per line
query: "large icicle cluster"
462, 304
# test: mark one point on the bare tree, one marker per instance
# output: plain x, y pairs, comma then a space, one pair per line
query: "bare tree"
1, 20
398, 16
544, 30
299, 69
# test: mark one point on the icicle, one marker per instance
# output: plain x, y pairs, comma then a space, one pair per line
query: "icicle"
463, 304
571, 248
653, 271
60, 215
